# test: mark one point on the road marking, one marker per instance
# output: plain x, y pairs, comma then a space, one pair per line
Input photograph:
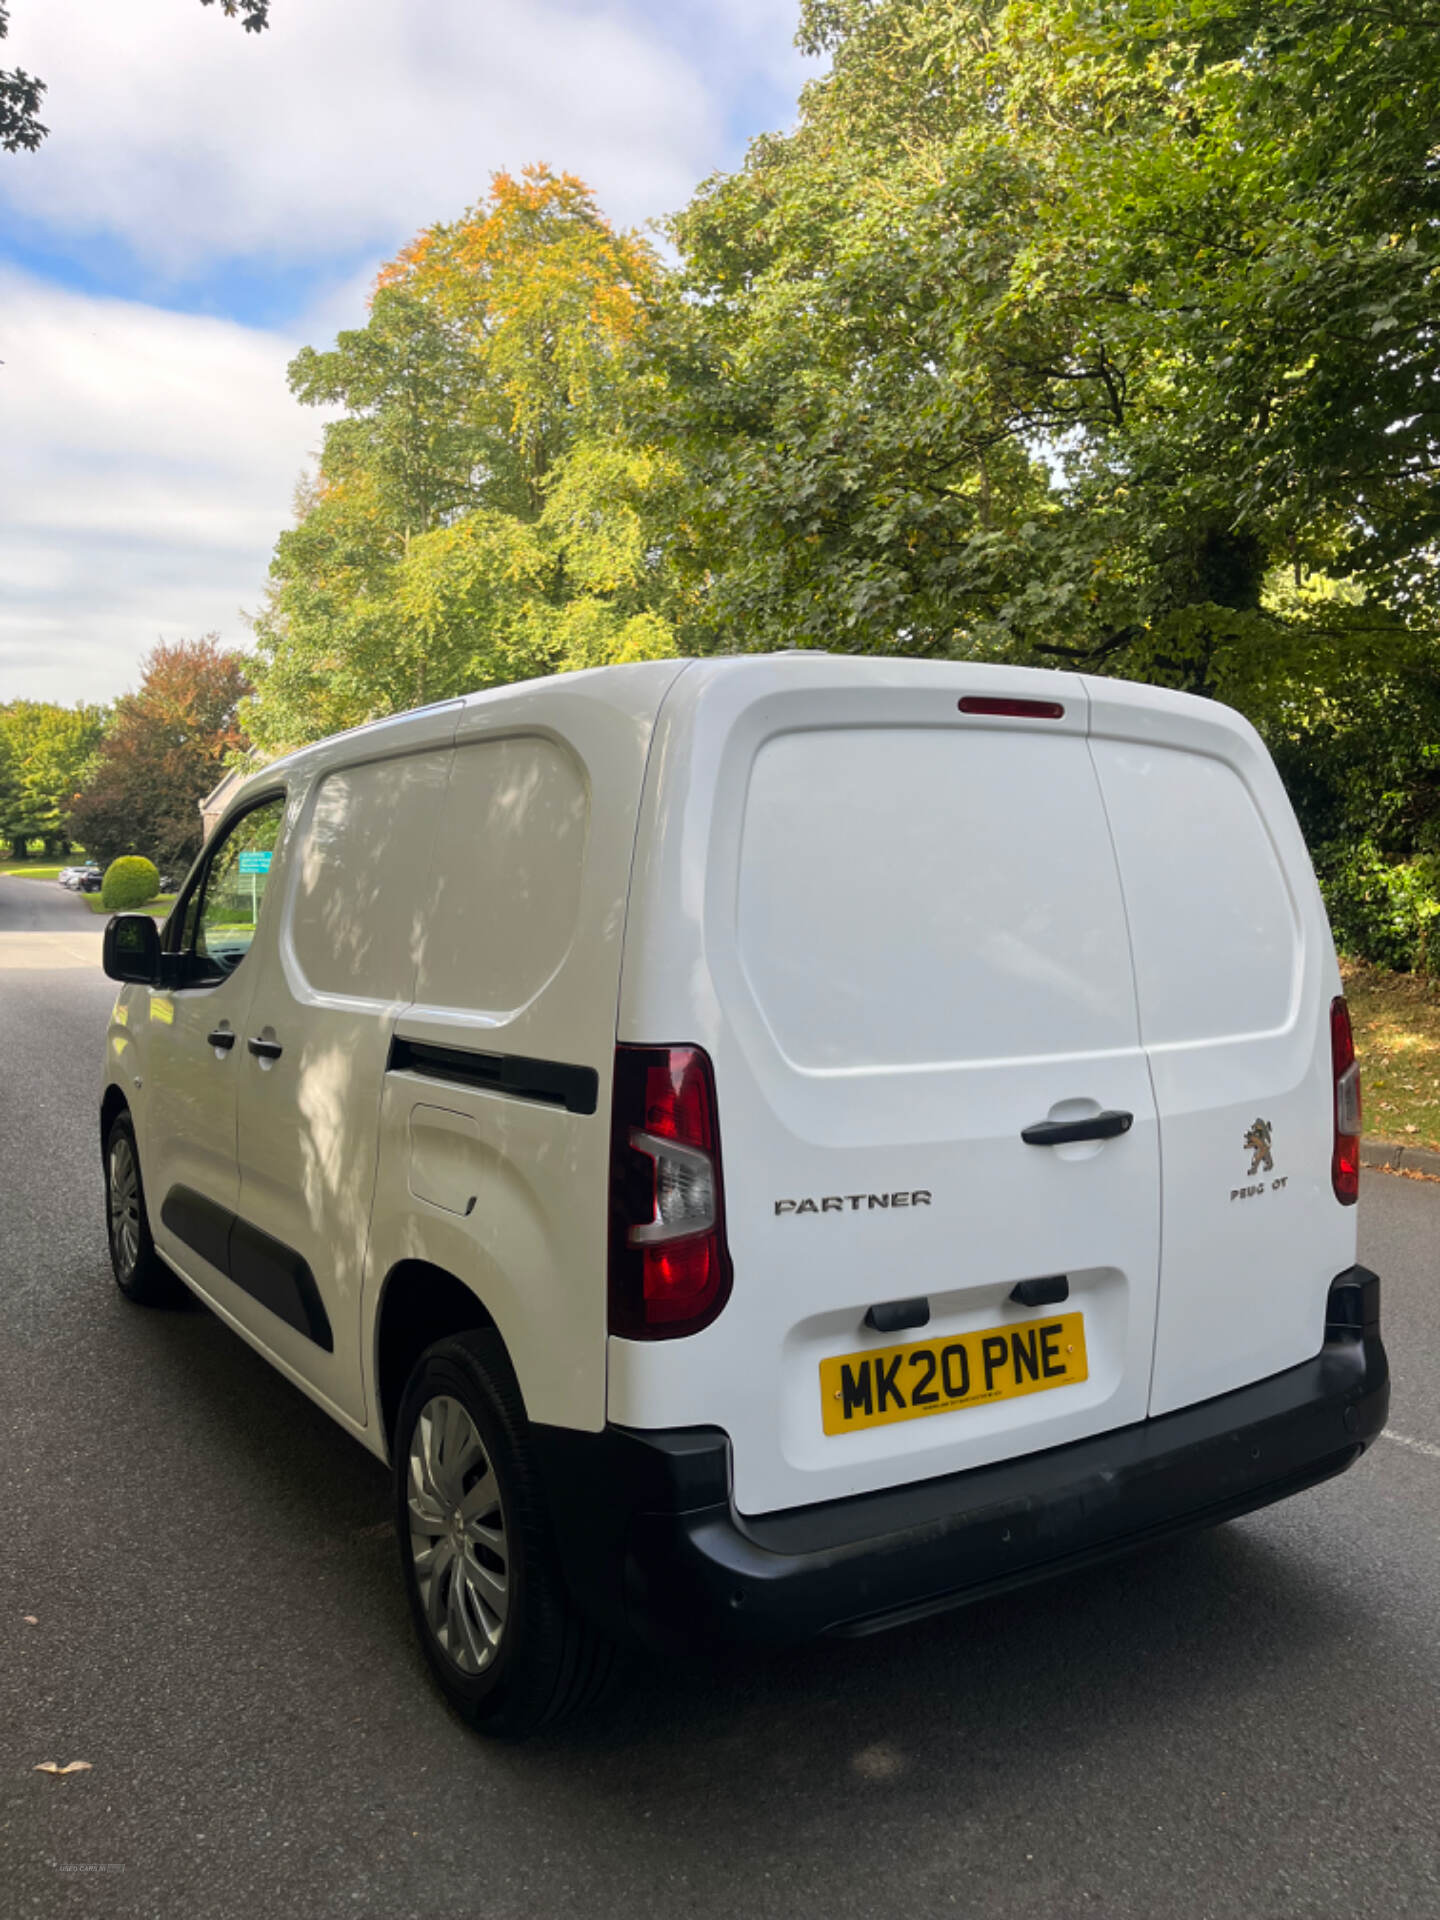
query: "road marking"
1416, 1446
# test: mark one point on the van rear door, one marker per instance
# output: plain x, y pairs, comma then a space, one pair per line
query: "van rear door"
1235, 976
898, 928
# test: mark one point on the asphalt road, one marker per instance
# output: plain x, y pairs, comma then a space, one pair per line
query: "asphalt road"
1244, 1723
42, 906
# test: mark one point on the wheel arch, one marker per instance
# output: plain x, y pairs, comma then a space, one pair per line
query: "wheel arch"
419, 1304
112, 1104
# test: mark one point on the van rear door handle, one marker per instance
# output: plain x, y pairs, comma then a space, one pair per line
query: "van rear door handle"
221, 1037
265, 1049
1058, 1133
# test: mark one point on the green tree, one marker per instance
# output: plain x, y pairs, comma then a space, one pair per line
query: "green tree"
861, 475
44, 752
1061, 331
1281, 233
1098, 336
12, 833
167, 745
21, 93
484, 508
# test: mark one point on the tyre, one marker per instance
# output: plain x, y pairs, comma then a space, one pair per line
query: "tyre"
499, 1629
140, 1273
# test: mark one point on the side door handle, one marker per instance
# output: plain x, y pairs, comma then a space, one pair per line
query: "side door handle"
222, 1037
265, 1049
1058, 1133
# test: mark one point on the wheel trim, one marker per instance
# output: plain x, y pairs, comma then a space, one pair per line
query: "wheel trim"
458, 1538
124, 1195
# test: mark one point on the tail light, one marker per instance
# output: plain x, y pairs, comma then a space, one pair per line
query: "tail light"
669, 1265
1345, 1159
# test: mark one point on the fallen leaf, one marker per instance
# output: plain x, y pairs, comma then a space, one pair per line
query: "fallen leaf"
75, 1766
1412, 1129
30, 1620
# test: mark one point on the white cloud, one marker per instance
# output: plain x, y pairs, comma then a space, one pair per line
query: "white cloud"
148, 458
147, 461
352, 123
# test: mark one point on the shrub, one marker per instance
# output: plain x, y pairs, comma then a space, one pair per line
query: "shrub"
1384, 911
129, 882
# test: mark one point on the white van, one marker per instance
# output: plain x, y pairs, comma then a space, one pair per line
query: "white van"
765, 1146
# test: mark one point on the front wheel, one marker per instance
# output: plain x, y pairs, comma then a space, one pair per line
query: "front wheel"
500, 1632
140, 1273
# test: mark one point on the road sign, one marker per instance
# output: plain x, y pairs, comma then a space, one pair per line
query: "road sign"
255, 862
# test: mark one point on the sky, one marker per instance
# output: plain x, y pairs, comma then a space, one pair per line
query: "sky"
209, 200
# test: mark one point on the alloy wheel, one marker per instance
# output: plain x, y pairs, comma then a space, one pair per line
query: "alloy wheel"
457, 1535
124, 1205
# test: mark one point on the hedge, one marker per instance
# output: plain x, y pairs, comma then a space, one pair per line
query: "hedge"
1384, 911
129, 882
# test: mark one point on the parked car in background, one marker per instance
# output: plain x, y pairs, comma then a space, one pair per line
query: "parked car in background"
90, 881
72, 876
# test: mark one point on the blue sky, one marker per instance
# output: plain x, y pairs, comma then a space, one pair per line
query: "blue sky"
209, 200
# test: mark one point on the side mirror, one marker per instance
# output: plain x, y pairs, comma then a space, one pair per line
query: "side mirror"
132, 949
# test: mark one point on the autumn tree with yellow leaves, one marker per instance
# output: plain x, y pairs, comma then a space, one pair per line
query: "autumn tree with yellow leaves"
486, 504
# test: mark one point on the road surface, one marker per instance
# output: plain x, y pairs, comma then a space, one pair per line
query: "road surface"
44, 926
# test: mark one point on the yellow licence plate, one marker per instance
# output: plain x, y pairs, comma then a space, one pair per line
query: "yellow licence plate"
967, 1370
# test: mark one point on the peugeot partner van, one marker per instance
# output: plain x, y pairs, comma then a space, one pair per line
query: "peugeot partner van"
762, 1146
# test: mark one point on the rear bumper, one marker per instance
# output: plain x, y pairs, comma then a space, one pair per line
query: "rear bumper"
653, 1547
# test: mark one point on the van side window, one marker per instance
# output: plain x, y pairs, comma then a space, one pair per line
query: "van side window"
509, 860
360, 861
223, 909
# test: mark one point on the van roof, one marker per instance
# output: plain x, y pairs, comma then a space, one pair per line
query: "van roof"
640, 686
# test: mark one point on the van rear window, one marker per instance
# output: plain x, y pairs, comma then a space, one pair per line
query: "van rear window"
1211, 917
925, 895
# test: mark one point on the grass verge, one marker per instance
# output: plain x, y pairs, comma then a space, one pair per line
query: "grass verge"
35, 869
1396, 1017
160, 906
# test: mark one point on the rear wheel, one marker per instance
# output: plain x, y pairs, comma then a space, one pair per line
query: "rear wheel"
140, 1273
501, 1634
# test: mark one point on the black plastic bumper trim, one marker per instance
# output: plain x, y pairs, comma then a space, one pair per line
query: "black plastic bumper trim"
654, 1548
577, 1089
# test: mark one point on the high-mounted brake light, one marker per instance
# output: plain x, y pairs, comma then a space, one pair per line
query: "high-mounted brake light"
1345, 1069
1012, 709
669, 1265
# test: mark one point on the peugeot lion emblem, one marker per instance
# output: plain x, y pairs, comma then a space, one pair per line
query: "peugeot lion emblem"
1258, 1141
